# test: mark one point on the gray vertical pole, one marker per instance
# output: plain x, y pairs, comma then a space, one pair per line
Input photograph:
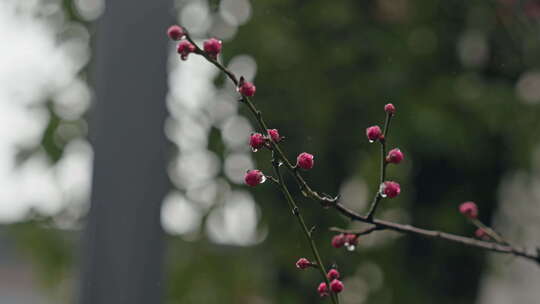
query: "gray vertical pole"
123, 241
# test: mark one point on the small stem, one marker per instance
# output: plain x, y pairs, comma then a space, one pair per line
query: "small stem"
307, 232
386, 129
494, 235
374, 205
382, 172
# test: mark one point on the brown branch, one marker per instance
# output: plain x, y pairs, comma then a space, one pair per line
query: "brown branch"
327, 200
408, 229
357, 232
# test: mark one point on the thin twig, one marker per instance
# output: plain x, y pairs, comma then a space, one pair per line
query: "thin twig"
491, 246
384, 163
490, 232
307, 232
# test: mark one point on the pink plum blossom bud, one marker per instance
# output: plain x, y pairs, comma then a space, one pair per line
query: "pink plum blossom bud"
395, 156
256, 141
351, 238
175, 32
254, 177
184, 48
469, 209
212, 47
246, 88
304, 161
336, 286
390, 189
390, 109
322, 290
338, 240
332, 274
303, 263
373, 133
481, 234
274, 134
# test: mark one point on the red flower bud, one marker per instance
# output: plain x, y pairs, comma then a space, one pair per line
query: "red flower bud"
373, 133
322, 290
175, 32
303, 263
256, 141
481, 234
184, 48
390, 189
254, 177
338, 240
394, 156
390, 109
332, 274
469, 209
246, 88
351, 238
336, 286
274, 134
304, 161
212, 47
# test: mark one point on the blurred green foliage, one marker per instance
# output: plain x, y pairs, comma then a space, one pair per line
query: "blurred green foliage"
50, 249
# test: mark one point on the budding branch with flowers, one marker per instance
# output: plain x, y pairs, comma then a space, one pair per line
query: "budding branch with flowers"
486, 237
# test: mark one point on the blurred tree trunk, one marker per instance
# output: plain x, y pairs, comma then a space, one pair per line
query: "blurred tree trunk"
123, 241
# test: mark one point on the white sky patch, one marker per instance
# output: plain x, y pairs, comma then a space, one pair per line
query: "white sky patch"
178, 215
235, 222
35, 67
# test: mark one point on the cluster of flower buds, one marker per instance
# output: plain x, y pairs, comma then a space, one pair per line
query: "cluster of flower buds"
470, 210
212, 46
349, 240
258, 140
336, 285
374, 133
333, 275
388, 189
185, 48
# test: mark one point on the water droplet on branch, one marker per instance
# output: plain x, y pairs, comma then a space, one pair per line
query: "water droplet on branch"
350, 247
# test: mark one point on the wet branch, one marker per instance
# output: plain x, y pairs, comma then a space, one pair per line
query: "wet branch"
329, 201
